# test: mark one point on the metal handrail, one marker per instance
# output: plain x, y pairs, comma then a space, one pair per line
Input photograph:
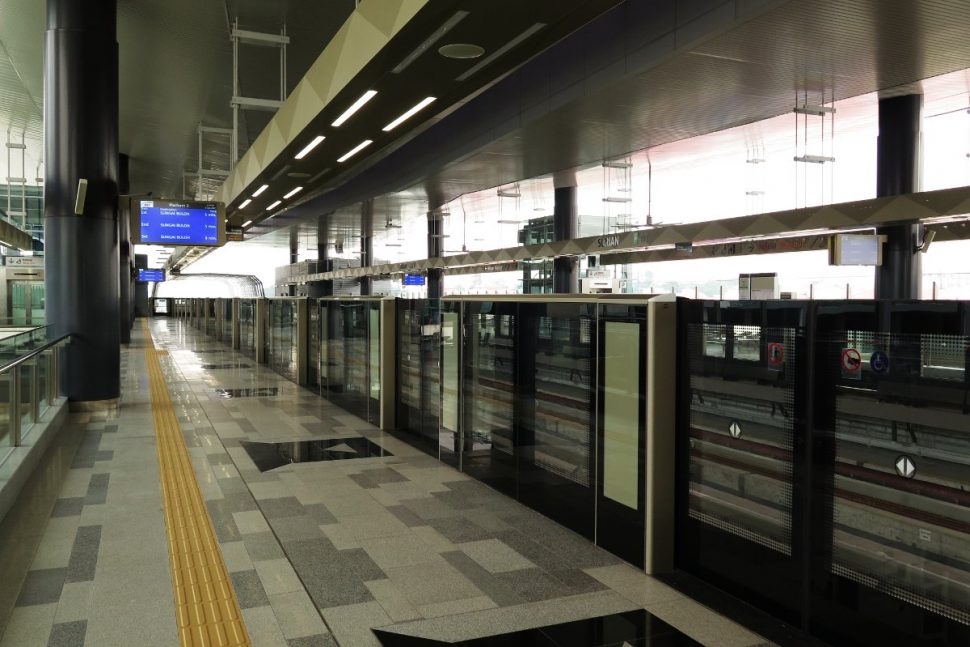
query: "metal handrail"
33, 353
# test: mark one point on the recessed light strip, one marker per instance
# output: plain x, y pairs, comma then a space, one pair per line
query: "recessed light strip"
309, 147
501, 50
258, 191
359, 147
274, 205
430, 40
247, 223
364, 98
245, 203
292, 193
424, 103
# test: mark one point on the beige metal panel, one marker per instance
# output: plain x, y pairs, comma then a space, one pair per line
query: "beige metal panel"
370, 27
302, 340
235, 324
925, 206
388, 414
661, 433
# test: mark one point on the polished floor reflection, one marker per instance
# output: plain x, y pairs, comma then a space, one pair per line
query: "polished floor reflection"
632, 628
269, 456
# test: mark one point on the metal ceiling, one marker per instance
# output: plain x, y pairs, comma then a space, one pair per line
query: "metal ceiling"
175, 72
636, 79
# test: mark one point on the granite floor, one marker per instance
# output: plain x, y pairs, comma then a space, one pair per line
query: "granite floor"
319, 552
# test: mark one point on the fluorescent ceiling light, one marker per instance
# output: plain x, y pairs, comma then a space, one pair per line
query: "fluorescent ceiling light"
292, 193
245, 203
501, 50
274, 205
364, 98
359, 147
430, 40
258, 191
247, 223
424, 103
309, 147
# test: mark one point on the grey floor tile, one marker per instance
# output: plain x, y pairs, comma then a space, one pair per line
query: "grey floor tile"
500, 592
533, 584
249, 589
433, 582
97, 489
319, 640
459, 530
68, 507
240, 501
42, 586
319, 513
262, 546
406, 516
363, 565
224, 523
295, 528
68, 634
104, 455
84, 554
282, 507
233, 485
495, 556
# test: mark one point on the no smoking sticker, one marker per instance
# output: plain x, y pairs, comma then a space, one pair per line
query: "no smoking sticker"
776, 354
851, 364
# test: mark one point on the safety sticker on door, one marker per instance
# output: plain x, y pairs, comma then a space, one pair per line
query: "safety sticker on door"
851, 364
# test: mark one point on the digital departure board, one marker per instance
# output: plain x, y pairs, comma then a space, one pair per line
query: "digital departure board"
150, 276
855, 249
178, 222
414, 279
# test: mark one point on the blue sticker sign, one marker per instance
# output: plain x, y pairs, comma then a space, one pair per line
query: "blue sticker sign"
879, 362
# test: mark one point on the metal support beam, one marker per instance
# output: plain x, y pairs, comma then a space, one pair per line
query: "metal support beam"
366, 244
435, 250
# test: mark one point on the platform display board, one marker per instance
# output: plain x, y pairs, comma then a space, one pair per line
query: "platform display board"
855, 249
414, 279
178, 222
150, 276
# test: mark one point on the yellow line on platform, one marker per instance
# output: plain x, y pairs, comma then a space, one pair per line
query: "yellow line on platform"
206, 607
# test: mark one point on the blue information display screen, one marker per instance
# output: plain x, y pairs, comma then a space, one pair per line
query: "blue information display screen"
150, 276
168, 222
413, 279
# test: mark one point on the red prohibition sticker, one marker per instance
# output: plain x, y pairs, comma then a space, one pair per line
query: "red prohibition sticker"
776, 354
851, 362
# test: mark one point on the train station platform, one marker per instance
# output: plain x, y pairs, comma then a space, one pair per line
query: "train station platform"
182, 517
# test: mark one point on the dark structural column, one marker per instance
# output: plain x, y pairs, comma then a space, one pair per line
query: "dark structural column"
898, 172
294, 254
435, 249
565, 218
366, 244
81, 142
142, 302
124, 252
322, 288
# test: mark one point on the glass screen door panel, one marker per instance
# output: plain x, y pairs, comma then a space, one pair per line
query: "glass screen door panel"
450, 385
38, 305
19, 304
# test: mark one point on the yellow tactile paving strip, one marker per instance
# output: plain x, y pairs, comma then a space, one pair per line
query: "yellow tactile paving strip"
206, 608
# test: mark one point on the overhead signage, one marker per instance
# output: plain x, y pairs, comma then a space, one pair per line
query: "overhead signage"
150, 276
608, 241
23, 261
905, 467
851, 363
172, 222
414, 279
234, 235
855, 249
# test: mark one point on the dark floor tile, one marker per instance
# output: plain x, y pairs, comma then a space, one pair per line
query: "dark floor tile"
456, 500
219, 459
500, 592
458, 529
295, 528
363, 481
329, 578
386, 475
232, 485
241, 501
282, 507
84, 554
578, 581
363, 565
320, 514
533, 584
220, 512
249, 589
68, 507
104, 455
68, 634
430, 509
42, 586
319, 640
263, 546
110, 429
406, 516
97, 489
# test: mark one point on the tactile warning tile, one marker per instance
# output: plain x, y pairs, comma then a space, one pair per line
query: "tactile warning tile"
206, 608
